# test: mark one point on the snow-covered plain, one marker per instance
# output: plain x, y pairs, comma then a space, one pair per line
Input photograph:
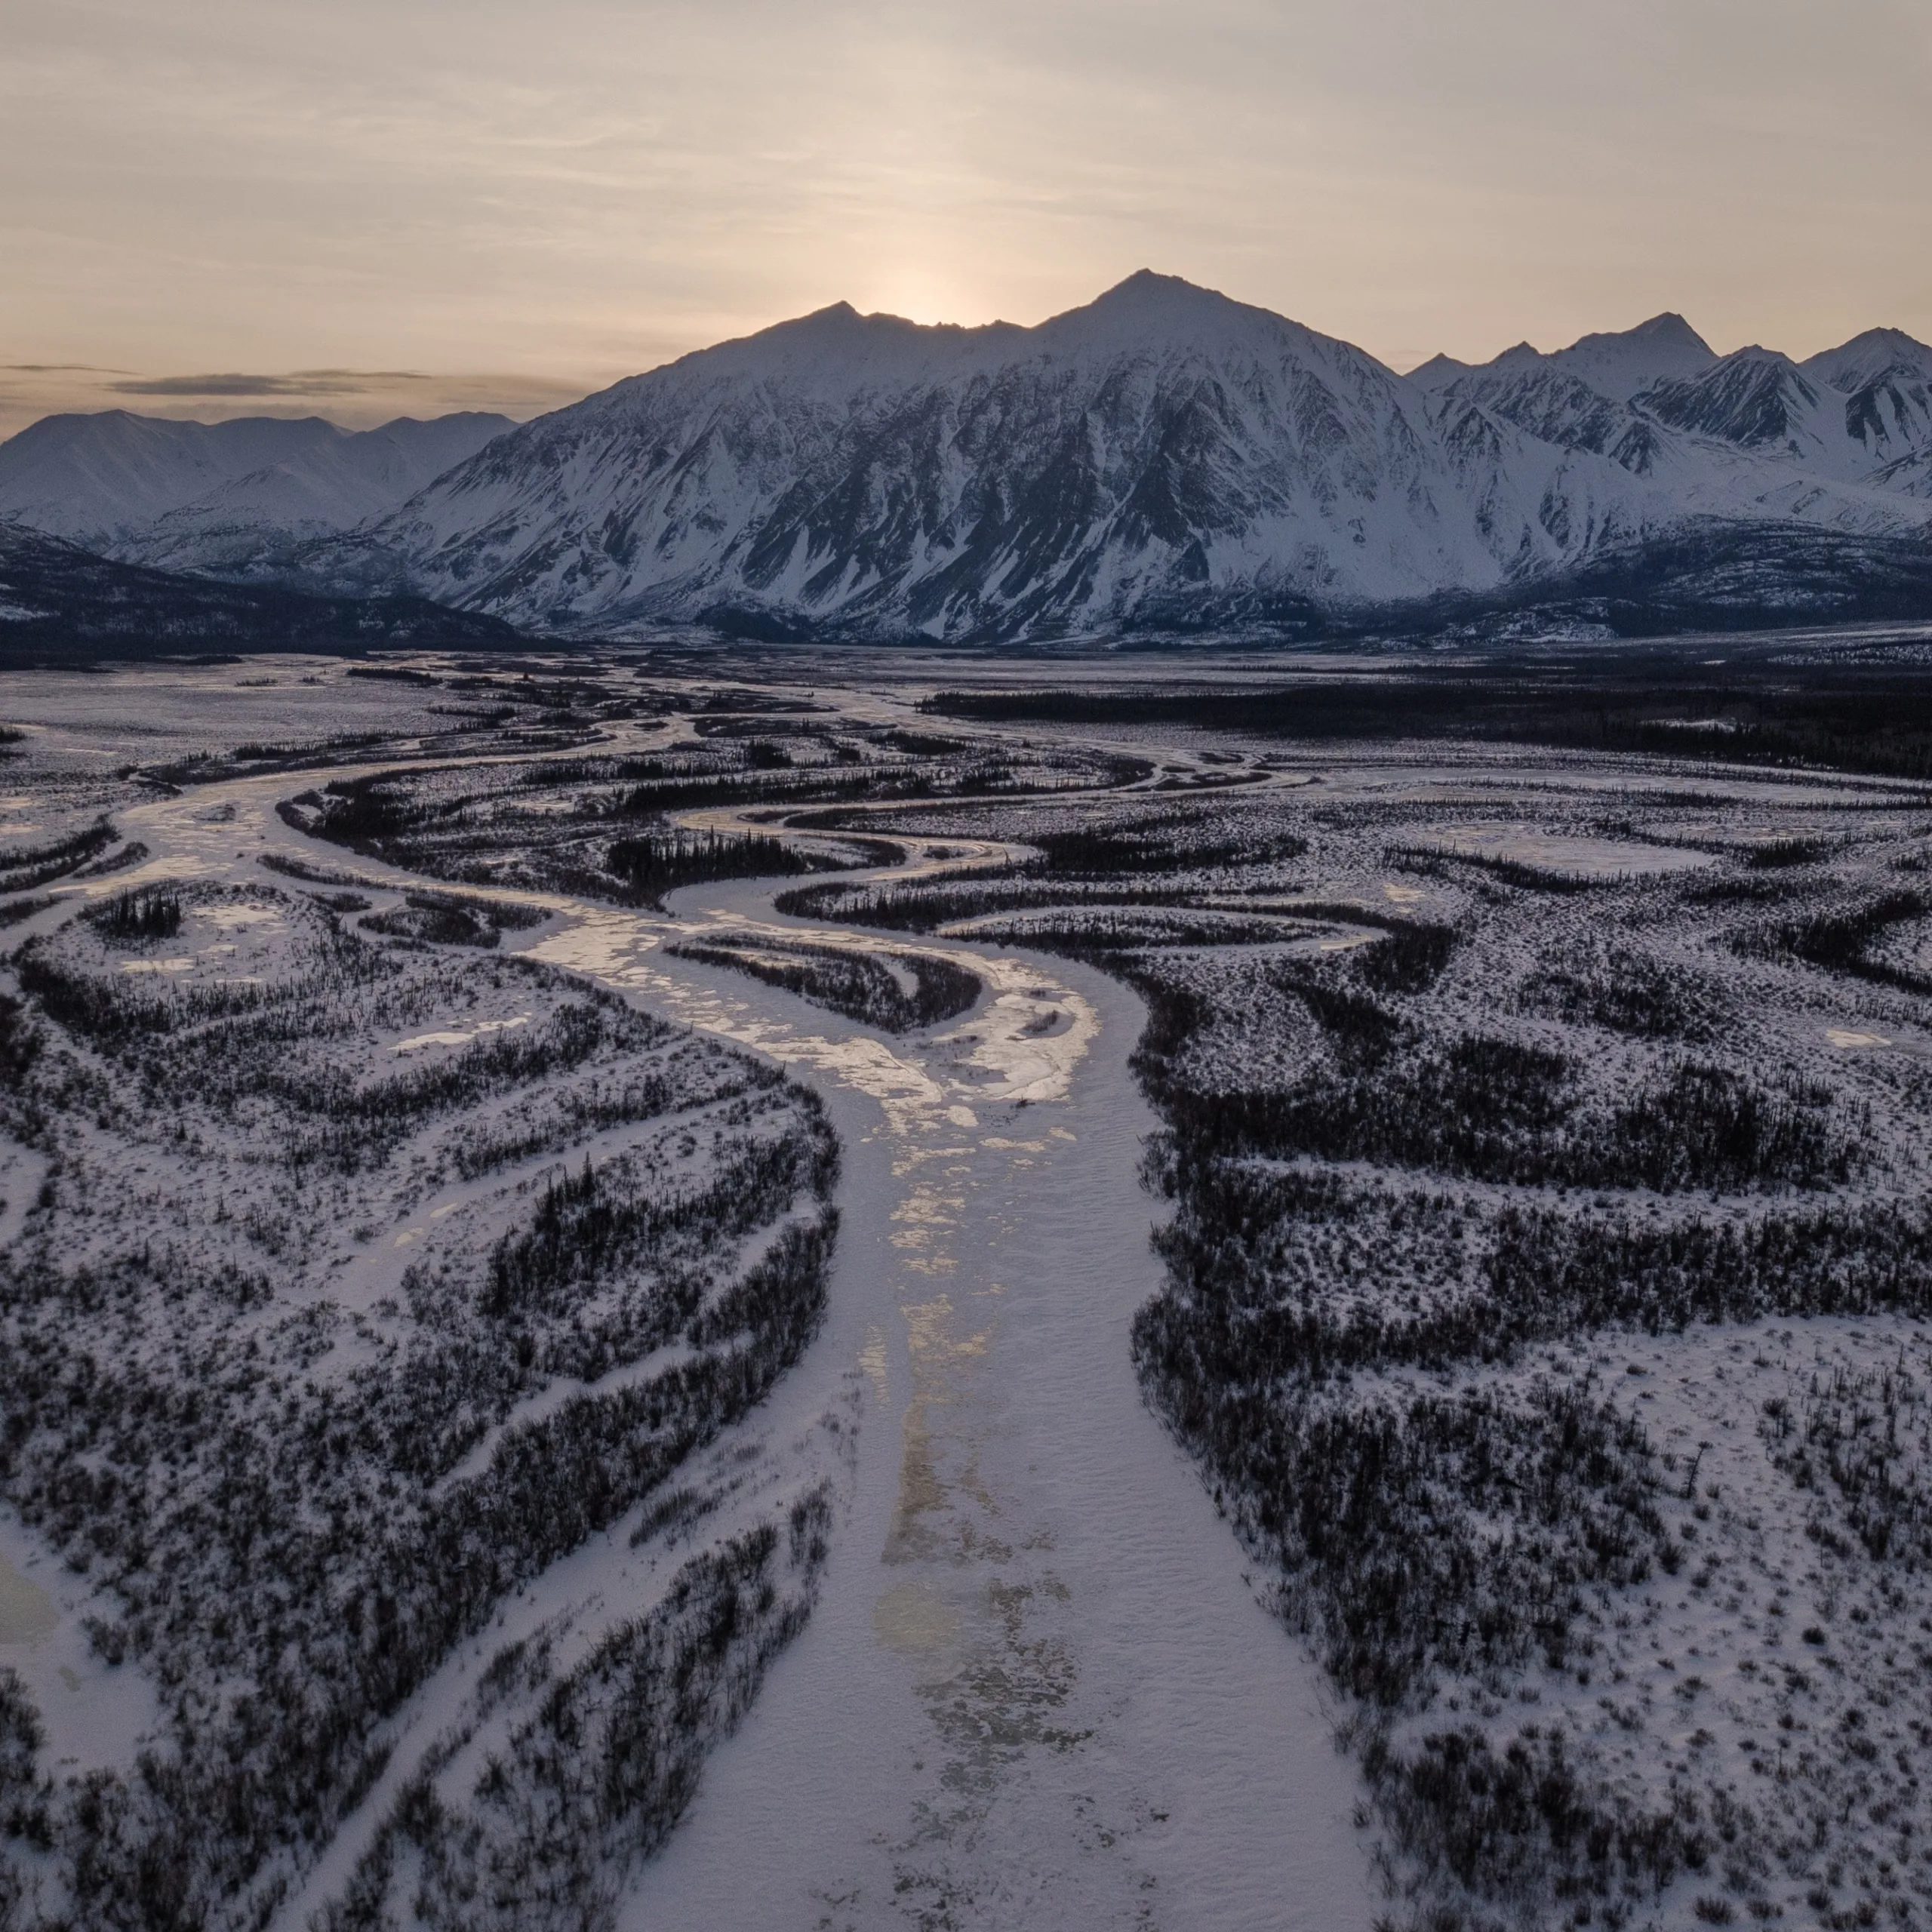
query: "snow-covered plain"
390, 1235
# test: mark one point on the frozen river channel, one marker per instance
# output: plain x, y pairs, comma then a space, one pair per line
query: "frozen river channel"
1039, 1689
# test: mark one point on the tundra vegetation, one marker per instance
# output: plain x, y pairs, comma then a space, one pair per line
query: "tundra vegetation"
603, 824
1547, 1264
300, 1474
1542, 1207
894, 992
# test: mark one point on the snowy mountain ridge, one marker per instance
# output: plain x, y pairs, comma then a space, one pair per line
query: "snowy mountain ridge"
1161, 457
1618, 366
190, 495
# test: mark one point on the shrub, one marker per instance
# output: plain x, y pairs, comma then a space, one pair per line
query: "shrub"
136, 916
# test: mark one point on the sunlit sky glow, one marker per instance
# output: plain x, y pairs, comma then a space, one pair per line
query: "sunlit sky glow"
360, 209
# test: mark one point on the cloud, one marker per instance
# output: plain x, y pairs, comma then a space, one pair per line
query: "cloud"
302, 383
365, 376
350, 399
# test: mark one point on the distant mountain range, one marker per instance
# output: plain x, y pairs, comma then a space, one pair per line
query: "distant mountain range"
209, 495
1163, 458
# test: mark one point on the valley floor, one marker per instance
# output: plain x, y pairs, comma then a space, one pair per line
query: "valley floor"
659, 1174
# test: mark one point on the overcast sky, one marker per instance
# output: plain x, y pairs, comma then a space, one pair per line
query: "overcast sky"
368, 206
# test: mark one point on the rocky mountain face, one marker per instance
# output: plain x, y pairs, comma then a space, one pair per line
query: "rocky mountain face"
1162, 458
862, 472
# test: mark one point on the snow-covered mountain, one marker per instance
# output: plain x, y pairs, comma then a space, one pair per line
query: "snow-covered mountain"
1117, 460
94, 479
1866, 359
1665, 348
199, 496
1617, 366
1163, 455
1840, 442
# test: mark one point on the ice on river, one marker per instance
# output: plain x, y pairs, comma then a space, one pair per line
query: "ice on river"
1038, 1689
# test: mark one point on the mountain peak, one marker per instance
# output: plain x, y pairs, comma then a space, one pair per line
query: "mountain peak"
1145, 284
1754, 356
1616, 363
1147, 296
834, 316
1437, 373
1148, 310
1669, 327
1621, 363
1894, 342
1755, 398
1668, 334
1870, 357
